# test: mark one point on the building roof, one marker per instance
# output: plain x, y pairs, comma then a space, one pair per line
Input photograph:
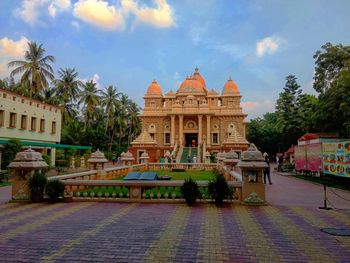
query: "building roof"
312, 136
154, 89
230, 87
199, 77
30, 99
191, 85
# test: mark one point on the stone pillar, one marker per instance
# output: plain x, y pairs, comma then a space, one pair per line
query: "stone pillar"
208, 131
172, 134
200, 131
53, 156
181, 131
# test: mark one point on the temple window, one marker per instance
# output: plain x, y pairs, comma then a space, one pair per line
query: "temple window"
152, 135
167, 138
215, 139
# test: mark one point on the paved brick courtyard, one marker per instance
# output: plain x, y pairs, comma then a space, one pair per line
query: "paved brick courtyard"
113, 232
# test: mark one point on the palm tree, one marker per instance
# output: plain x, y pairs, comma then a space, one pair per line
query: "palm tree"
110, 102
90, 100
49, 96
68, 90
134, 123
122, 118
35, 68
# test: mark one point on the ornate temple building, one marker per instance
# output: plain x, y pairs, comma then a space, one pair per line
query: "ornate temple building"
191, 122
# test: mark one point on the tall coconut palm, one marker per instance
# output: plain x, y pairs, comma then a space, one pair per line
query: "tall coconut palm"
49, 96
68, 90
109, 100
90, 100
35, 68
122, 118
134, 123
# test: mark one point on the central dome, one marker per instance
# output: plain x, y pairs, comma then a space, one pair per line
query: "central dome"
195, 84
191, 85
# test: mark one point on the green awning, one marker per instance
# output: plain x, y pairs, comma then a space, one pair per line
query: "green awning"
52, 145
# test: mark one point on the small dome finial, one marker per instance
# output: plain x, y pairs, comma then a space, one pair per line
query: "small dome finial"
196, 70
229, 78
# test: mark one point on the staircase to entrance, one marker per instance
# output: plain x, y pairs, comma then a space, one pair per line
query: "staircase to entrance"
188, 151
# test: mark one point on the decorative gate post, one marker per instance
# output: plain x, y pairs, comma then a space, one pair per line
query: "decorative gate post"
252, 166
144, 159
97, 161
23, 166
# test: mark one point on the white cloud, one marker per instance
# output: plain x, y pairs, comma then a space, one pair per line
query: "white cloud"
95, 78
197, 32
160, 16
76, 25
268, 45
32, 10
11, 50
100, 14
257, 108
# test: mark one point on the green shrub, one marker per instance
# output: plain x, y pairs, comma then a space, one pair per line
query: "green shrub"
12, 147
54, 189
47, 160
219, 189
190, 191
37, 184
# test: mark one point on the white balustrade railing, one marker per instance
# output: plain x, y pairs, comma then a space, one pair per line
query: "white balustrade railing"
144, 191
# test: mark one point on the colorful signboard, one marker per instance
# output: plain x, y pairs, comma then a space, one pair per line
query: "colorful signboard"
336, 158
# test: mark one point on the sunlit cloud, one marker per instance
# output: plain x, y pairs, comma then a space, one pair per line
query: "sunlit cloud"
11, 50
99, 13
268, 45
160, 16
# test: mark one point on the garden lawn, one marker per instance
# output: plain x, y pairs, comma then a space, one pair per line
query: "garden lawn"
195, 175
4, 184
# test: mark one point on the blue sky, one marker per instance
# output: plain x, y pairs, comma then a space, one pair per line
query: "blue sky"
128, 43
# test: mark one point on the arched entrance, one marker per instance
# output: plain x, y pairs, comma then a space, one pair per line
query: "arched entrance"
191, 139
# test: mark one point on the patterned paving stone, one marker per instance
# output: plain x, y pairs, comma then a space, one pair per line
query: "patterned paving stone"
121, 232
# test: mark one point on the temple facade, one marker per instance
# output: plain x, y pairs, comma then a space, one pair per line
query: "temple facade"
194, 121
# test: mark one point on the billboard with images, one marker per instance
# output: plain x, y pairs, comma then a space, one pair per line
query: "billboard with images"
336, 158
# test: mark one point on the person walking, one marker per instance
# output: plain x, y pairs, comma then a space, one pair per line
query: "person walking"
113, 159
267, 170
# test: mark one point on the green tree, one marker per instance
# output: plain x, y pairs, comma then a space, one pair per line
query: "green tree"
110, 102
68, 91
333, 111
90, 100
35, 69
264, 133
330, 61
287, 109
9, 152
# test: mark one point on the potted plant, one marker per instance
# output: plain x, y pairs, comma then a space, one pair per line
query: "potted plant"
190, 191
54, 189
36, 184
219, 189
